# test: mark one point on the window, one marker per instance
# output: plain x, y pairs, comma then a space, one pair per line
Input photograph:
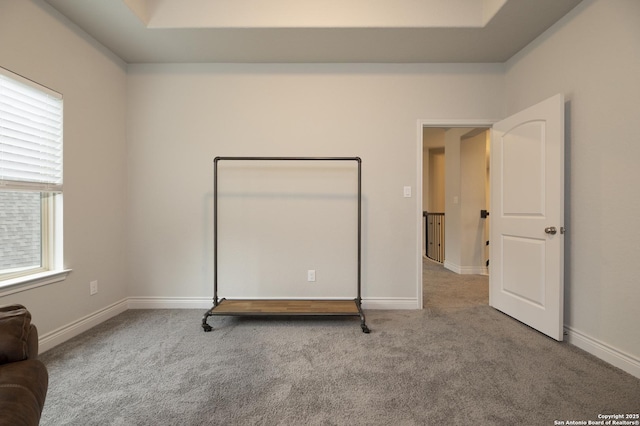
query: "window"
30, 179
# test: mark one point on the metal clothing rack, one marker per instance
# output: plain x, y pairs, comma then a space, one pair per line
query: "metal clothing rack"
269, 307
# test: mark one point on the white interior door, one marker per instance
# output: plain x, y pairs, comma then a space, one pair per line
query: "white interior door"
527, 216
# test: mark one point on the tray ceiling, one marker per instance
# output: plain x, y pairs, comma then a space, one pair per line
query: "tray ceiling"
301, 31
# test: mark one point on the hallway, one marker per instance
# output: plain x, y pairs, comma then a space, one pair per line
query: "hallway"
446, 291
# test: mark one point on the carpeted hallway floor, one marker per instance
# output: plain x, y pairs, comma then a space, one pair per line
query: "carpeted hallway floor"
444, 290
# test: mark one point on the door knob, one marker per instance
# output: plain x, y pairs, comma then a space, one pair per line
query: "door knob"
551, 230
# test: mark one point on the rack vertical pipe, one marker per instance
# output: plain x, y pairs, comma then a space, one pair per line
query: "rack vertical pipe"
215, 231
359, 160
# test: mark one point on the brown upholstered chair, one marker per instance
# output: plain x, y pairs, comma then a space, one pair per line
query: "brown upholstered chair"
23, 378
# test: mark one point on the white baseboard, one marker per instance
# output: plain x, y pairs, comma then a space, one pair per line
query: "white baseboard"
474, 270
451, 266
66, 332
393, 303
605, 352
466, 270
170, 302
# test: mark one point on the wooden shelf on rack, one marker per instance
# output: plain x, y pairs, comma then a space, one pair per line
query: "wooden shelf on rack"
261, 307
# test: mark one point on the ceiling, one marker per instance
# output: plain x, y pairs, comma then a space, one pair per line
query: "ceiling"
308, 31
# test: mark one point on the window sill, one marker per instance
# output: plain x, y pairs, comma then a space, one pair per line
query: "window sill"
28, 282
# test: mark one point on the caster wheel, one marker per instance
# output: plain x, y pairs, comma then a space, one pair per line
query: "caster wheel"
365, 329
206, 327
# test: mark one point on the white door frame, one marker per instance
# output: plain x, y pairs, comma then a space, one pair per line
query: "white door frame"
422, 123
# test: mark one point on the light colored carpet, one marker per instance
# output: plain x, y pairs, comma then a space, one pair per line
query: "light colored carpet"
446, 291
457, 362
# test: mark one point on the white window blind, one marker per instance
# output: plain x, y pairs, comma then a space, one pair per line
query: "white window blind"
30, 135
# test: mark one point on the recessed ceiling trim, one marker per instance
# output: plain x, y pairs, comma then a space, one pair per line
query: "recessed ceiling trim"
490, 8
315, 13
140, 8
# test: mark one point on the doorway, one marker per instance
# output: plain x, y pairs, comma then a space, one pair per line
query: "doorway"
527, 199
459, 151
456, 197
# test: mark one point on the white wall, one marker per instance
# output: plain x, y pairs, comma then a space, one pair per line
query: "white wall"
433, 169
465, 180
452, 226
473, 173
436, 179
182, 116
330, 14
593, 57
39, 44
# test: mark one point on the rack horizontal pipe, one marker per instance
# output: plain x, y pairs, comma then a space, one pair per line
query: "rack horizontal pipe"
358, 159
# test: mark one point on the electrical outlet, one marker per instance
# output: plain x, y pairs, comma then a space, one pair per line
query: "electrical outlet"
93, 287
406, 191
311, 275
